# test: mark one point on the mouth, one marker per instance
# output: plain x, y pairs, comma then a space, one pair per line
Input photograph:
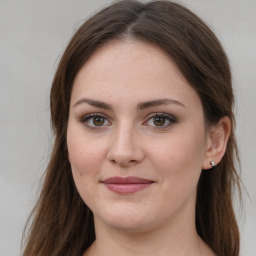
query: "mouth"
127, 185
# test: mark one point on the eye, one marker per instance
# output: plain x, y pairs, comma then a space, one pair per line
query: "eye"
160, 120
95, 120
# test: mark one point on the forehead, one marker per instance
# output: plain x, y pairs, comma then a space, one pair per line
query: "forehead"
134, 70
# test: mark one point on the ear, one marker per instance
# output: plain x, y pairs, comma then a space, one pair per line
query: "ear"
217, 139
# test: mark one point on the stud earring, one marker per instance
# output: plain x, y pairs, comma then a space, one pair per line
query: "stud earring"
212, 164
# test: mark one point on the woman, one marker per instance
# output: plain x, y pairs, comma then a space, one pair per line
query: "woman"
143, 160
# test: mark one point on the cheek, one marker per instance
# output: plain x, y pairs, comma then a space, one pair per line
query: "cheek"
85, 160
85, 156
83, 151
180, 159
82, 158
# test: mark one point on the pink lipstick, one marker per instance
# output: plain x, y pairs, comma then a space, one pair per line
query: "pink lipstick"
127, 185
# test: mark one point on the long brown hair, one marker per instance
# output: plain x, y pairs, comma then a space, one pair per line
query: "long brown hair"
61, 223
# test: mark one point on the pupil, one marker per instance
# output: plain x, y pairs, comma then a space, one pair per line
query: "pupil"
98, 121
159, 121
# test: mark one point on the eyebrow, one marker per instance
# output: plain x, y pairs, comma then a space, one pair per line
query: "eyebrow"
140, 106
94, 103
159, 102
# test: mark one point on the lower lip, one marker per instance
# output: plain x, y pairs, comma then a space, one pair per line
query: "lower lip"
127, 188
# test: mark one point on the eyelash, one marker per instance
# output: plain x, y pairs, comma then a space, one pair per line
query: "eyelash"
85, 119
169, 118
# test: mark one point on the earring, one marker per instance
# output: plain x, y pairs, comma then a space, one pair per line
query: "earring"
212, 164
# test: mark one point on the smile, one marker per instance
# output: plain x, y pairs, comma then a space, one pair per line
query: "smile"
127, 185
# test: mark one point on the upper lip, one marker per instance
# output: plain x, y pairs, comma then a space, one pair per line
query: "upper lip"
126, 180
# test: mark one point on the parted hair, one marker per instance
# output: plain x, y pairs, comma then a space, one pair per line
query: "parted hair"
61, 223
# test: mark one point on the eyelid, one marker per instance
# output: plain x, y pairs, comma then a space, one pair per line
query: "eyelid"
161, 114
86, 117
170, 118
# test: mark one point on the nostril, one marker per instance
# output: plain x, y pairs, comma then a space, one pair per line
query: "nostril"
122, 161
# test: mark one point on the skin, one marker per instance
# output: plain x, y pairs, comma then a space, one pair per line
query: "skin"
129, 141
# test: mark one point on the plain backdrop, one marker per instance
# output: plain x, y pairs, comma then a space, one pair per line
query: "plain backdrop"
33, 35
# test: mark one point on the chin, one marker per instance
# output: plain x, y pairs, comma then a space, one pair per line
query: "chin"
126, 219
129, 226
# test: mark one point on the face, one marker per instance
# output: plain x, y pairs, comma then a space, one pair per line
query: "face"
136, 138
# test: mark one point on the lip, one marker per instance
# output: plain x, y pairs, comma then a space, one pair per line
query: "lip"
127, 185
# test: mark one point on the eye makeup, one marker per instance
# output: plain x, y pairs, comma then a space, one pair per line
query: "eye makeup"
157, 120
95, 121
160, 120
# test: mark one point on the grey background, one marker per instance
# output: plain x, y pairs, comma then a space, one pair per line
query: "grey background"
33, 34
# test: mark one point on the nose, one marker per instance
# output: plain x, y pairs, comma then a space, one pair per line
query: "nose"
126, 149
